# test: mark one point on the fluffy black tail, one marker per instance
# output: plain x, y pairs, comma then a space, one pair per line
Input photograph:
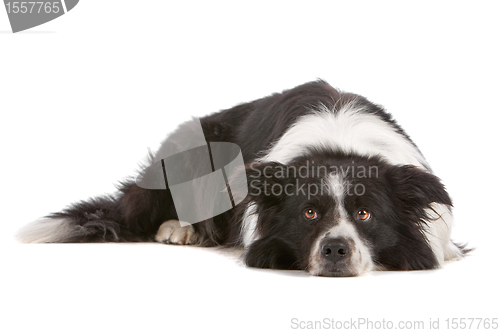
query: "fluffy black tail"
96, 220
134, 215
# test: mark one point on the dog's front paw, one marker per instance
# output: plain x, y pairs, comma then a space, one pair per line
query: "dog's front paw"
171, 232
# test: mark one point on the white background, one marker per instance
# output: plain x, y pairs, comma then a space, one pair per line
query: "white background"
83, 96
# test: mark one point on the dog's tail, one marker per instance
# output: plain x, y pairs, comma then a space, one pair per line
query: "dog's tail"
94, 220
131, 216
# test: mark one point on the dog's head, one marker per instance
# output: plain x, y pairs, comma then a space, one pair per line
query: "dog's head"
340, 215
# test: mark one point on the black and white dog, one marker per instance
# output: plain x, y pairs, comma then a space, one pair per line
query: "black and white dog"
335, 187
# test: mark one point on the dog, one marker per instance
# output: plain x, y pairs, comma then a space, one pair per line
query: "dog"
334, 186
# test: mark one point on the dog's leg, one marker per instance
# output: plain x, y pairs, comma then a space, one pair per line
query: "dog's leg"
171, 232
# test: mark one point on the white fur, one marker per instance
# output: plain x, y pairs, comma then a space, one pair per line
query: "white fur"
350, 130
361, 258
172, 232
438, 233
338, 189
47, 231
249, 225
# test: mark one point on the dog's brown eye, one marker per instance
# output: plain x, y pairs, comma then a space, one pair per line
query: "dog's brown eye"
310, 214
364, 215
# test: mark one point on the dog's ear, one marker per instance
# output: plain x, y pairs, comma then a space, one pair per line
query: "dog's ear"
412, 191
416, 187
266, 180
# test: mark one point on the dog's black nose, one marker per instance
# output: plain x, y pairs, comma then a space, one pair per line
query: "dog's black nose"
335, 249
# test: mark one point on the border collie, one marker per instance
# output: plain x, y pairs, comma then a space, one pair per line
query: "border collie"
334, 187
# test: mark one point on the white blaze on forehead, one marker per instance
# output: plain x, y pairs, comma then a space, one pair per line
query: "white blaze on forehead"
344, 228
338, 188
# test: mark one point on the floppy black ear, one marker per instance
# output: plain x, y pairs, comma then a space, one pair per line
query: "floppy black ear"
416, 187
267, 180
412, 192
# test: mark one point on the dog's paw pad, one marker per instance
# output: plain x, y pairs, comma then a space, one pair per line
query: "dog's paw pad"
171, 232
